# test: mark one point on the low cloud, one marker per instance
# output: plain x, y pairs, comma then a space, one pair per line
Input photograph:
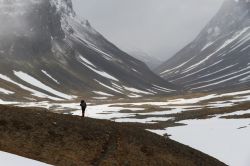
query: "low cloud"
159, 28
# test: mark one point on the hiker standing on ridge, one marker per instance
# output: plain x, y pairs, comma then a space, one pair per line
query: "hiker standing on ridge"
84, 106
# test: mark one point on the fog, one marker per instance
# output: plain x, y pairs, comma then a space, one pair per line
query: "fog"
13, 16
159, 28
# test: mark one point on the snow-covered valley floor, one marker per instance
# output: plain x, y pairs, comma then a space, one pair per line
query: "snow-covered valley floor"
216, 124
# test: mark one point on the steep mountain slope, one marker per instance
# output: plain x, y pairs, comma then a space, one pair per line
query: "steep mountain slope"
151, 62
219, 58
45, 49
68, 140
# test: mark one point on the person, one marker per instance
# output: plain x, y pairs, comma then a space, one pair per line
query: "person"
84, 106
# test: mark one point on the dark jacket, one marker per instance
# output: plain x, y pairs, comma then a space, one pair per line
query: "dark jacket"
83, 105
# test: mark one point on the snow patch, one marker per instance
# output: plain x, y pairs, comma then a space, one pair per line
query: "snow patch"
132, 95
102, 93
92, 67
207, 46
146, 120
7, 92
216, 137
31, 80
100, 98
8, 159
47, 74
34, 92
134, 90
87, 61
108, 87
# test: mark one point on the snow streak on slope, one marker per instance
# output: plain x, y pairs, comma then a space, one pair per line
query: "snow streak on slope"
47, 74
134, 90
92, 67
31, 80
102, 93
222, 48
7, 92
108, 87
34, 92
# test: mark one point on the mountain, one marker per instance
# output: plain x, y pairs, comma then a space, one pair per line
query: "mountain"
48, 52
69, 140
151, 62
219, 58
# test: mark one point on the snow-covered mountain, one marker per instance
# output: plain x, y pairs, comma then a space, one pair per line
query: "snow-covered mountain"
47, 52
219, 57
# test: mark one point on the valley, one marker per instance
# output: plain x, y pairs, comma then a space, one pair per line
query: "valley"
191, 107
211, 123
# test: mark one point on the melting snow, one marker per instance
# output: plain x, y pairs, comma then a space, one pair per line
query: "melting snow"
132, 95
7, 102
108, 87
91, 66
7, 92
241, 42
100, 98
220, 104
31, 80
192, 100
87, 61
34, 92
218, 71
225, 44
214, 64
162, 89
245, 78
246, 48
200, 62
102, 93
106, 111
134, 90
44, 72
207, 45
117, 86
146, 120
220, 138
8, 159
236, 36
177, 67
225, 80
238, 113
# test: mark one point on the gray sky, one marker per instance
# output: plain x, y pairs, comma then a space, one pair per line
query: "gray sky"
159, 28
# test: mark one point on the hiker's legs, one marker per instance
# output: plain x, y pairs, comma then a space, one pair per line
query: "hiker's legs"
83, 112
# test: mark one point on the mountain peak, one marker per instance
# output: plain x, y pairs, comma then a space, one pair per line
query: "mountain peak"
49, 44
63, 6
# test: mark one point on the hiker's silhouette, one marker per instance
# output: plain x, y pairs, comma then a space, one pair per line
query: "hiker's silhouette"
84, 106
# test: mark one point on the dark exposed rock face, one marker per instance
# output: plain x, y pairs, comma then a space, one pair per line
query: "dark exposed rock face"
219, 57
46, 35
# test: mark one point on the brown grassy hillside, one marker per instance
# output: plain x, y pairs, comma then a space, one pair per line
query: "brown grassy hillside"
71, 141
